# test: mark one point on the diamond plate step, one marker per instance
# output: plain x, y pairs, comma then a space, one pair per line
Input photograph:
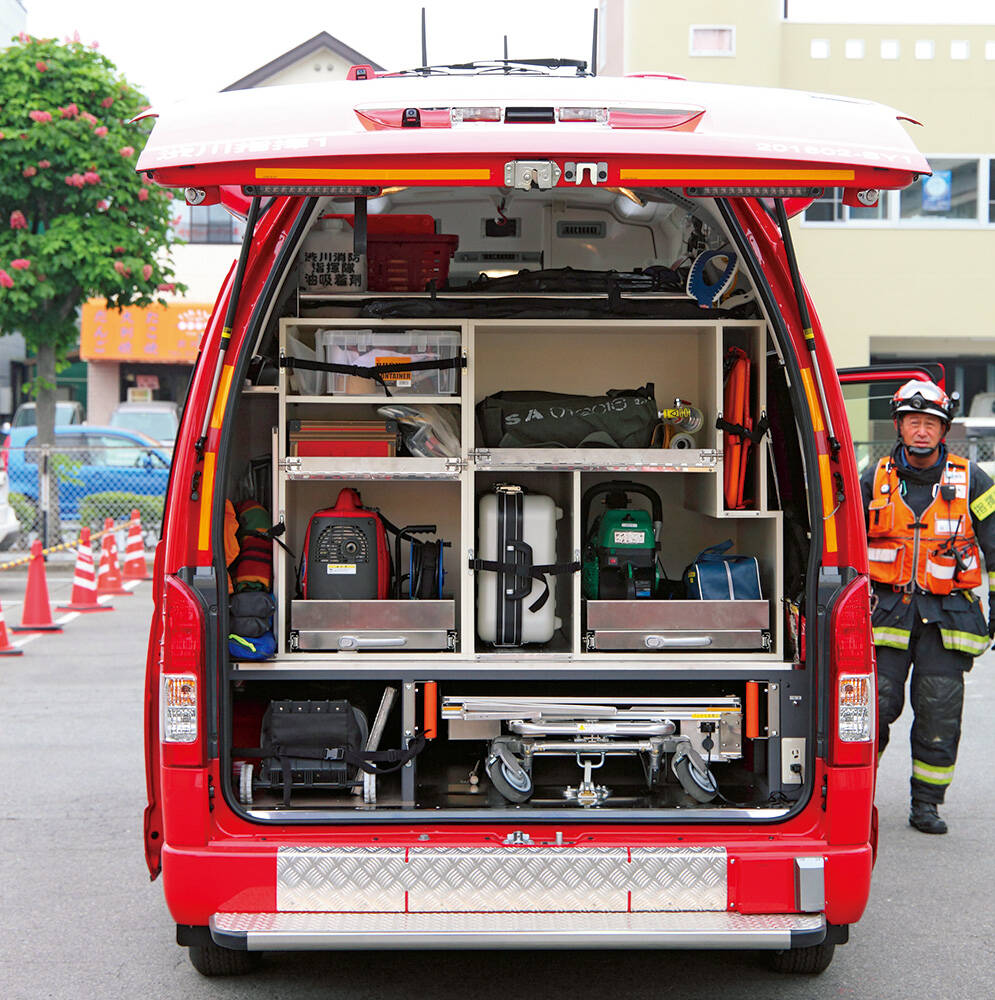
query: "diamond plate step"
330, 931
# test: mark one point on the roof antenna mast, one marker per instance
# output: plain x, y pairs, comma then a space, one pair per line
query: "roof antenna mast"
594, 46
424, 40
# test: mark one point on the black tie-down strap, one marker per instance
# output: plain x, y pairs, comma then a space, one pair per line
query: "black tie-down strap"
738, 430
375, 372
524, 573
370, 761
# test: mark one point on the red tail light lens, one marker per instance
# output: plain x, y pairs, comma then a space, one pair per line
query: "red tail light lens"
181, 667
5, 453
853, 698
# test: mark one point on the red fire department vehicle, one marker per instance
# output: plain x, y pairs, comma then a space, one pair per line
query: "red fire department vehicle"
513, 588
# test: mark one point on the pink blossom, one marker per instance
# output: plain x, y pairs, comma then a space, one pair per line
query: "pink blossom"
147, 271
5, 279
87, 117
168, 287
76, 37
17, 220
127, 151
102, 205
118, 249
42, 117
94, 45
20, 264
121, 269
23, 36
101, 131
143, 194
44, 164
1, 135
29, 171
91, 177
41, 66
75, 180
107, 102
69, 111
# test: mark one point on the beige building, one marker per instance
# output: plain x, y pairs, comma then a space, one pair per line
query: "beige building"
906, 280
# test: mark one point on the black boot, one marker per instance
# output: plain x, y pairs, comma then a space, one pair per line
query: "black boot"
924, 817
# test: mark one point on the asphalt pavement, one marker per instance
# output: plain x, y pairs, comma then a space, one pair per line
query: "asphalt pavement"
80, 918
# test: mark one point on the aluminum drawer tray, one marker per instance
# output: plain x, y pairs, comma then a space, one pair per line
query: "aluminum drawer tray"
653, 626
374, 625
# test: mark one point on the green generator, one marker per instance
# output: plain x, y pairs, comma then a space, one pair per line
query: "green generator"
621, 560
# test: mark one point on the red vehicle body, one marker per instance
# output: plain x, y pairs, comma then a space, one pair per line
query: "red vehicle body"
794, 863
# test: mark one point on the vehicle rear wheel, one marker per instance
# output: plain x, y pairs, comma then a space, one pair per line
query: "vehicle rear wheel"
812, 960
212, 960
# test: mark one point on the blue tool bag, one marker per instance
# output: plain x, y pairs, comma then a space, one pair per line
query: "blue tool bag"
714, 576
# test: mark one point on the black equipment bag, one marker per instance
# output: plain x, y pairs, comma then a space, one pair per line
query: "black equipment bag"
250, 613
622, 418
319, 744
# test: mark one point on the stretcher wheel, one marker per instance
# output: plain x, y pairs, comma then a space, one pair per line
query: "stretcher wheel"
511, 786
700, 785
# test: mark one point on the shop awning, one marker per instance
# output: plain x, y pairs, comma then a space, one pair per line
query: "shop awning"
154, 334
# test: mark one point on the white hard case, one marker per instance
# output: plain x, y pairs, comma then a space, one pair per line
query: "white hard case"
539, 519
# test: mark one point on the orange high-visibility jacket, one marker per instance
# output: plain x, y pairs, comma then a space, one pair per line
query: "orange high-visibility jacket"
939, 551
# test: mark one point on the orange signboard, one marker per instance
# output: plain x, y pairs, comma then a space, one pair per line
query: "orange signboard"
153, 334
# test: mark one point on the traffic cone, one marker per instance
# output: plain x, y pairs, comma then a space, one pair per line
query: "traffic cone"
37, 615
109, 575
135, 566
6, 649
84, 596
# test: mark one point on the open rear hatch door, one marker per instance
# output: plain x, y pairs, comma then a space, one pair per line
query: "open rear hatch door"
709, 139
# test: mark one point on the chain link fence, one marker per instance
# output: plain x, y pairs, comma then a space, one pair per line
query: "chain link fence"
51, 493
980, 450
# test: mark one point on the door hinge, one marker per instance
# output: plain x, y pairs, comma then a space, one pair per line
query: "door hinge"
291, 462
455, 465
480, 456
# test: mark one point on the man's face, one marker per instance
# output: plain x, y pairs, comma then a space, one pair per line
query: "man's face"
920, 430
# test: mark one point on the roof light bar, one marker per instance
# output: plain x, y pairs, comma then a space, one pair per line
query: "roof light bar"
598, 115
312, 190
753, 192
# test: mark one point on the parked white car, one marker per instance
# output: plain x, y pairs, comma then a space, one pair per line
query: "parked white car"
157, 420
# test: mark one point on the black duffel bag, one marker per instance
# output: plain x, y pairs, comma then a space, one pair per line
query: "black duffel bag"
319, 744
622, 418
250, 613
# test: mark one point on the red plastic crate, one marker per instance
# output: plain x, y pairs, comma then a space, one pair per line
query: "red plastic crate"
407, 262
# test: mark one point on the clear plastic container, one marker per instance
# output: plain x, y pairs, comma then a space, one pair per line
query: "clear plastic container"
367, 349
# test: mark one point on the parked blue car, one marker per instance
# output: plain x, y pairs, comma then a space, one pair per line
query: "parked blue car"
87, 460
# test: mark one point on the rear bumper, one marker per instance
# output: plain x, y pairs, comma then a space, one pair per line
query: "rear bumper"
451, 931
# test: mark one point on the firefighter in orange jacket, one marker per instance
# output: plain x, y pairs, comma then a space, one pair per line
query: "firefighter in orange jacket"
929, 520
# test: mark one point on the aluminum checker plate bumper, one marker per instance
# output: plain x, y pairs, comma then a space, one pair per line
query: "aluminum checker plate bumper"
525, 896
354, 931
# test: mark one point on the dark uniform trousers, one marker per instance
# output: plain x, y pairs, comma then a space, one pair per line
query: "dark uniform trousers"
937, 696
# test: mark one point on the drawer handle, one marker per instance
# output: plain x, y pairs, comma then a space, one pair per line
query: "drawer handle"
661, 641
371, 642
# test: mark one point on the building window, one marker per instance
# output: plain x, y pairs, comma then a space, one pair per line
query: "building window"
951, 193
712, 40
207, 224
960, 49
819, 48
830, 208
854, 48
990, 50
924, 49
890, 48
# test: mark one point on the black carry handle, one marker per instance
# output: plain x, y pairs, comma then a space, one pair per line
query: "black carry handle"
620, 486
366, 760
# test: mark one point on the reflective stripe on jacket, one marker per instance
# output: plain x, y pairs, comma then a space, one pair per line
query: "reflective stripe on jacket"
939, 551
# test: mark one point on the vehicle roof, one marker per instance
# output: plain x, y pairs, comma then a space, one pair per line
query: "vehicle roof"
31, 404
19, 433
246, 136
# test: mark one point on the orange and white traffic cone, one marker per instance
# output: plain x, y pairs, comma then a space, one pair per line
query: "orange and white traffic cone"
84, 596
6, 649
37, 616
135, 567
109, 574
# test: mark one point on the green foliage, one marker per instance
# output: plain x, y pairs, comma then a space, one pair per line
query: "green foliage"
26, 511
119, 505
76, 220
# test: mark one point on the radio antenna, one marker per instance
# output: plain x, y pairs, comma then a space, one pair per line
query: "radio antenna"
424, 40
594, 46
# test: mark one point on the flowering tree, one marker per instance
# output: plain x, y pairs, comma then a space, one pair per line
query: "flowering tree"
76, 220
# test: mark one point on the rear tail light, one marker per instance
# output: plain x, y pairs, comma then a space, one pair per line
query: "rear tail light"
482, 114
599, 115
5, 453
181, 665
852, 689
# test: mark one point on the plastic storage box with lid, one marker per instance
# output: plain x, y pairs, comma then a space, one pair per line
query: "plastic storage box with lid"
367, 349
